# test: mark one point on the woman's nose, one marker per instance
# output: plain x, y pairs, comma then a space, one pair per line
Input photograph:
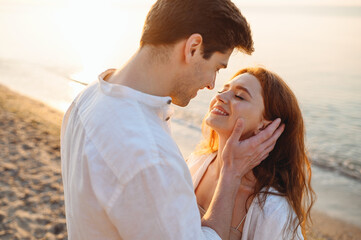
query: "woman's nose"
222, 97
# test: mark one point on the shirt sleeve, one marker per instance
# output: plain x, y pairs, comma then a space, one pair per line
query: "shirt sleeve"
158, 203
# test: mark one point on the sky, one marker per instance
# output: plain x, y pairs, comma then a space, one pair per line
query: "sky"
150, 2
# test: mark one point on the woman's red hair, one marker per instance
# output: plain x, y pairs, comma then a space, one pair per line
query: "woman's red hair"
287, 168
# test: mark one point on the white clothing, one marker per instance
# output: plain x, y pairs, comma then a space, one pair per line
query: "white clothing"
124, 176
266, 224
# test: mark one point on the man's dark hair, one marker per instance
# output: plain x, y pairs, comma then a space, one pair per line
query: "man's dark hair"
220, 23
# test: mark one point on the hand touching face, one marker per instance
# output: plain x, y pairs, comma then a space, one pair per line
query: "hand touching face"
239, 98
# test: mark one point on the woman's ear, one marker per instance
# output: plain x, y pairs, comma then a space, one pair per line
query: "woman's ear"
262, 125
193, 45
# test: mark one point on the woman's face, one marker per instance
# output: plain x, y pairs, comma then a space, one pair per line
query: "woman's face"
239, 98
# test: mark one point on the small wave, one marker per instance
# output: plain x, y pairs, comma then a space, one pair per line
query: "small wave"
348, 167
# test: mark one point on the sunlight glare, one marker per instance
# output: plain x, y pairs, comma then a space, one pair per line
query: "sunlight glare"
95, 29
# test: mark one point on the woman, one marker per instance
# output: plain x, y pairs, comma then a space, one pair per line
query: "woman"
274, 199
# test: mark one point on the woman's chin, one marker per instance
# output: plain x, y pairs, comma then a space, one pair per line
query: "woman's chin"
222, 133
226, 131
212, 123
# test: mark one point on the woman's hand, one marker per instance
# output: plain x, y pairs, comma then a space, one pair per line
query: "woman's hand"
239, 157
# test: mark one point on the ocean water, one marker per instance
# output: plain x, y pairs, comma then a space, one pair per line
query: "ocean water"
47, 48
316, 50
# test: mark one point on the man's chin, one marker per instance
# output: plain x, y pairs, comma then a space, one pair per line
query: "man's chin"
181, 102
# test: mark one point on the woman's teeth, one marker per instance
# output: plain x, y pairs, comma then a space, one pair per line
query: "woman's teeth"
220, 111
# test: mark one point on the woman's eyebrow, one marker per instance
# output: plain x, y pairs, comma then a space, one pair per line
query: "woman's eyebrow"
238, 87
244, 89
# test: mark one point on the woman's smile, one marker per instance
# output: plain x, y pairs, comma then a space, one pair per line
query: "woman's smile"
218, 110
240, 98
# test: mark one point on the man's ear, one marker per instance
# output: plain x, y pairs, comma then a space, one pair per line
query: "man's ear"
262, 125
192, 46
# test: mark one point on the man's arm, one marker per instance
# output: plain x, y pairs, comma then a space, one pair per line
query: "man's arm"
158, 203
239, 157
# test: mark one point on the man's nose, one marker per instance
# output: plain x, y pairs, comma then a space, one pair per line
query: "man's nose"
211, 85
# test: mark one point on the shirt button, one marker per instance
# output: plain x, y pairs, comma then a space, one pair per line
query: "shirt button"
169, 101
167, 118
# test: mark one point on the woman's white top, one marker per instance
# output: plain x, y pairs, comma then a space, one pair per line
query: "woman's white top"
261, 224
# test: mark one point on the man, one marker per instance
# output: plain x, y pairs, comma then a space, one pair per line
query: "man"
123, 175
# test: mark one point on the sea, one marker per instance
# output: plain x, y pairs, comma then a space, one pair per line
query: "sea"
50, 50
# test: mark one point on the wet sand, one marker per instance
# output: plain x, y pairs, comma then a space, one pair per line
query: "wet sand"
31, 192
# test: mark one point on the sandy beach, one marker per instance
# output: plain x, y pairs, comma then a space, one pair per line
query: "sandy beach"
31, 192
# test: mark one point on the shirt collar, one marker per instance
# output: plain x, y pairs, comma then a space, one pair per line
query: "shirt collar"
118, 90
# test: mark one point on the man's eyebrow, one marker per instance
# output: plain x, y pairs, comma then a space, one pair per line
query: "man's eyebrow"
239, 88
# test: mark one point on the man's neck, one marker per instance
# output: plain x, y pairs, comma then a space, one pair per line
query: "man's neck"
143, 73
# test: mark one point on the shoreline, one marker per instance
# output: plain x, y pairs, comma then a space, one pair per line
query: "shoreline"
31, 192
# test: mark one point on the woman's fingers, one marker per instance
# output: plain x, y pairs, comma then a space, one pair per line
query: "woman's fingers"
261, 151
267, 133
237, 131
271, 142
249, 153
268, 145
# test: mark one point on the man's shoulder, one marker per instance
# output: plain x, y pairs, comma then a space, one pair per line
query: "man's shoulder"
126, 134
115, 117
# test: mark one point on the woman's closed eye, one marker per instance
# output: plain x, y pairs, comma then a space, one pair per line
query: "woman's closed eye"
240, 97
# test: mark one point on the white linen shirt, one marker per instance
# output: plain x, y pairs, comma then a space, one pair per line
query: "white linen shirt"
267, 223
124, 176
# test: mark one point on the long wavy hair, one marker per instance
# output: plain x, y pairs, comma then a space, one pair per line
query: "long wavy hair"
287, 168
